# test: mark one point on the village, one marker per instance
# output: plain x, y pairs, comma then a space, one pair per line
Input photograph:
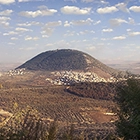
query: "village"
70, 77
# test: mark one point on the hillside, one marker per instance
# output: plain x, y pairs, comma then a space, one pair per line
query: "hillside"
68, 60
64, 59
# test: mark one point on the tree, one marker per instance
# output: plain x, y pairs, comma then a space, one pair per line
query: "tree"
128, 101
23, 124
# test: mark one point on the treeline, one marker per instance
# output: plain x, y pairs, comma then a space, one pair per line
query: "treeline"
104, 91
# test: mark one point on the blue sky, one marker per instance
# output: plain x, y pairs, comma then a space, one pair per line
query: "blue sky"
109, 30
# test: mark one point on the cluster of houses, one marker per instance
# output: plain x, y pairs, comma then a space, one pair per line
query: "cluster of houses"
70, 77
16, 72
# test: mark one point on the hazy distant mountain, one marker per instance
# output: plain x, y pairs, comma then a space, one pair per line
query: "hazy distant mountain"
8, 66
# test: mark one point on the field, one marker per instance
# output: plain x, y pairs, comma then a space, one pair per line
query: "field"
92, 116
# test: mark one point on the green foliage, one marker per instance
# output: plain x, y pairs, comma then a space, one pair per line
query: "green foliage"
23, 125
128, 100
101, 90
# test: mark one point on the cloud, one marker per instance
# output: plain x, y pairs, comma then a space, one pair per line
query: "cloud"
107, 10
119, 38
104, 2
70, 33
27, 24
6, 12
87, 1
95, 1
28, 0
75, 10
27, 38
14, 38
88, 21
135, 8
10, 33
97, 22
23, 0
47, 31
45, 36
123, 7
107, 30
67, 24
117, 21
42, 12
71, 0
86, 32
133, 33
6, 1
4, 21
11, 43
54, 24
22, 29
131, 20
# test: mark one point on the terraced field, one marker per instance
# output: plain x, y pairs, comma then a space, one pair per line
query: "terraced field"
55, 103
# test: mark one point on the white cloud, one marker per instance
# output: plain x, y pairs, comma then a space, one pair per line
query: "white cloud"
11, 43
133, 33
23, 0
6, 12
4, 21
43, 12
123, 7
6, 1
10, 33
104, 2
88, 21
131, 20
45, 36
28, 0
97, 22
135, 8
70, 33
86, 32
22, 29
128, 30
119, 38
27, 24
107, 30
71, 0
4, 18
87, 1
75, 10
107, 10
47, 31
53, 24
27, 38
14, 38
117, 21
67, 24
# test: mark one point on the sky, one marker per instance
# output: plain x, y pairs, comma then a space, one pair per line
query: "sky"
108, 30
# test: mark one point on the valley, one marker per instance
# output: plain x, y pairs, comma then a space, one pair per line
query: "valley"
55, 102
83, 96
